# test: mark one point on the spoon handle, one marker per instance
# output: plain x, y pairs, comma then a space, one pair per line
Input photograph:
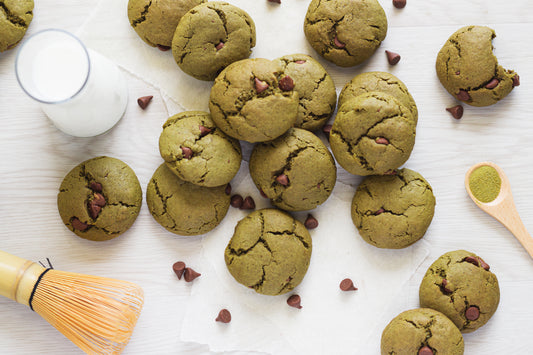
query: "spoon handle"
510, 218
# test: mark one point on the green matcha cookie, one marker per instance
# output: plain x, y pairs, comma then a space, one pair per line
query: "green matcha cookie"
393, 211
210, 37
15, 17
269, 252
197, 151
296, 171
469, 71
373, 134
421, 331
460, 285
345, 32
315, 88
99, 199
252, 101
183, 208
382, 82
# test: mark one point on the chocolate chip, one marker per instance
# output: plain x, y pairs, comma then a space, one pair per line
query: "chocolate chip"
425, 350
347, 285
79, 225
219, 46
286, 83
483, 264
163, 48
492, 84
262, 193
327, 129
190, 274
99, 199
276, 1
248, 203
294, 301
310, 222
260, 86
179, 268
381, 140
471, 260
399, 4
378, 212
95, 186
393, 58
457, 73
390, 172
204, 130
186, 152
456, 111
444, 288
300, 61
236, 201
472, 313
338, 43
94, 209
283, 180
516, 80
228, 189
144, 101
224, 316
463, 95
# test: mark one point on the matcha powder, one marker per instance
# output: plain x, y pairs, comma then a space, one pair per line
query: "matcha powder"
485, 183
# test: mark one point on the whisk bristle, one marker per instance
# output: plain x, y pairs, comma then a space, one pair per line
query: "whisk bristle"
97, 314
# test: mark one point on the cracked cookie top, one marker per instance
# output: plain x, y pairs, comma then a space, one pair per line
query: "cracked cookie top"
373, 134
269, 252
210, 37
393, 211
345, 32
421, 331
315, 88
15, 17
184, 208
155, 20
252, 101
100, 198
469, 71
296, 171
461, 285
197, 151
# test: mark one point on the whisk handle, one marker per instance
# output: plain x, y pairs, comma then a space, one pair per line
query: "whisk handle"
18, 277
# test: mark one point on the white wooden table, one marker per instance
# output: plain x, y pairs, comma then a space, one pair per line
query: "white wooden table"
35, 157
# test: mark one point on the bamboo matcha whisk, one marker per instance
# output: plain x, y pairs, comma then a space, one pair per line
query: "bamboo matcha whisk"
97, 314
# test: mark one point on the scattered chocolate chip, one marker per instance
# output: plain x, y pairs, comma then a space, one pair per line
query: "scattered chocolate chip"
444, 288
248, 203
457, 73
163, 48
390, 172
393, 58
327, 129
179, 268
378, 212
300, 61
471, 260
204, 130
262, 193
224, 316
99, 199
472, 313
381, 140
94, 209
219, 46
190, 274
228, 189
79, 225
338, 43
95, 186
399, 4
347, 285
456, 111
516, 80
186, 152
294, 301
144, 101
236, 201
283, 180
260, 86
463, 95
483, 264
310, 222
286, 83
492, 84
425, 350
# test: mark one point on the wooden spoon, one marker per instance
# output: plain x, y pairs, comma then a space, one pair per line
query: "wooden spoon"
503, 208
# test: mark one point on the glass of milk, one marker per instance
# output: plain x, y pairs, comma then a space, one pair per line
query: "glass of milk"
83, 93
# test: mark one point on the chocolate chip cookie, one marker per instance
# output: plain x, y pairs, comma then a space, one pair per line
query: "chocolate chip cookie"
210, 37
100, 198
15, 17
269, 252
345, 32
461, 285
470, 72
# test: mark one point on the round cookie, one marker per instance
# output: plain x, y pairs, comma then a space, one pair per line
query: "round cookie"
155, 20
345, 32
373, 134
15, 17
296, 171
269, 252
393, 211
421, 331
100, 198
382, 82
210, 37
470, 72
460, 285
197, 151
184, 208
315, 88
252, 101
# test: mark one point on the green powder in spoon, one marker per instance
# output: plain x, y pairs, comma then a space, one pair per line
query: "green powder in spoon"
485, 183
